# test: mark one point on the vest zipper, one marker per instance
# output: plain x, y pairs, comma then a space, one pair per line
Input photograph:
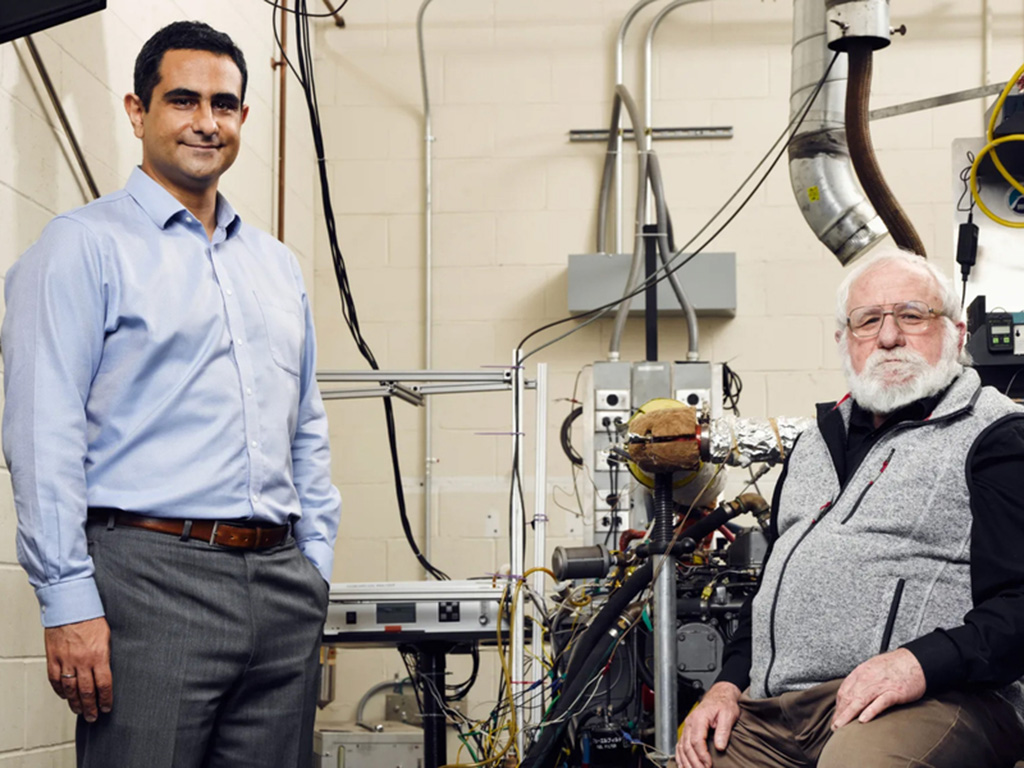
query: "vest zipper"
863, 493
894, 607
778, 585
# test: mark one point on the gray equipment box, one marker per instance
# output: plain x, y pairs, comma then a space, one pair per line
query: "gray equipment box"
347, 745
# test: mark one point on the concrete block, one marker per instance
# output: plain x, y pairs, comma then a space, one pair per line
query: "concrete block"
21, 633
488, 292
463, 345
497, 78
771, 344
795, 394
544, 237
465, 239
467, 186
12, 709
464, 130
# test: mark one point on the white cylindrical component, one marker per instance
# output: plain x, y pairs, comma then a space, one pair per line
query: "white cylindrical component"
849, 19
540, 523
823, 179
517, 550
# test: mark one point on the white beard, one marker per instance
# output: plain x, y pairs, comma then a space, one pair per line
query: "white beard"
894, 378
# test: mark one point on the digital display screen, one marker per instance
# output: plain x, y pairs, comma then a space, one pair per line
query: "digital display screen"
396, 613
999, 330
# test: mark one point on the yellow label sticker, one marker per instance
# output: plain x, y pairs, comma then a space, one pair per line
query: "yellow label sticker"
813, 194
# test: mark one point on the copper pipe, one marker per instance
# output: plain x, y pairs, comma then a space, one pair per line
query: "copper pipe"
282, 119
862, 153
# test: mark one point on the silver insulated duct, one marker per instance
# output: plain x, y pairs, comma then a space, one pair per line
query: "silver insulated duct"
823, 179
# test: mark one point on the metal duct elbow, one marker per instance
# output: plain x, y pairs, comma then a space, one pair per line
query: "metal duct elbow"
823, 179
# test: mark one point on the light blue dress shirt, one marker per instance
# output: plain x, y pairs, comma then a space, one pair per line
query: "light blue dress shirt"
151, 368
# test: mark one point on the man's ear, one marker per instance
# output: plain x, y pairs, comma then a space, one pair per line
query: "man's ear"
839, 336
133, 106
962, 328
245, 112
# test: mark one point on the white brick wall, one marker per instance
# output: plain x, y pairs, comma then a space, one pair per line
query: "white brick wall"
512, 197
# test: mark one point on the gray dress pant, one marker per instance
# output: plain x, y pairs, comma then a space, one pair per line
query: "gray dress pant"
956, 729
214, 653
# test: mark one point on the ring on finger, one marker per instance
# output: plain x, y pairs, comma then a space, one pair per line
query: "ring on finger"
66, 676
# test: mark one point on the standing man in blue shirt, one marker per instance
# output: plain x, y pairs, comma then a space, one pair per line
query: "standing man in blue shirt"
168, 446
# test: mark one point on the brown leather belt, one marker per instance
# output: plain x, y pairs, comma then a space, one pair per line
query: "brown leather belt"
221, 532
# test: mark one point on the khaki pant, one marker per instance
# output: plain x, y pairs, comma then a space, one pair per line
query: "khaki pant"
959, 729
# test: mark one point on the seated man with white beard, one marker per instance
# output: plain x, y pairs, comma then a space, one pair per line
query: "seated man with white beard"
888, 626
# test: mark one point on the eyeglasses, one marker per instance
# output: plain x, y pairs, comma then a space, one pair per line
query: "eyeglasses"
911, 317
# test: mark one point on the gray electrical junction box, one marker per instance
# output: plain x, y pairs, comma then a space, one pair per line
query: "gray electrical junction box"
709, 280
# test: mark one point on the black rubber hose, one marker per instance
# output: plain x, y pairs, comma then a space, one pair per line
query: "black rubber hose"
606, 617
862, 153
542, 752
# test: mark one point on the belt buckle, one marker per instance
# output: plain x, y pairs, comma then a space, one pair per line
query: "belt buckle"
213, 533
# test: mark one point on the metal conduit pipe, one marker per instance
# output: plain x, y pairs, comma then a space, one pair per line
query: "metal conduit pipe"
820, 171
665, 253
428, 288
657, 186
636, 267
620, 43
58, 107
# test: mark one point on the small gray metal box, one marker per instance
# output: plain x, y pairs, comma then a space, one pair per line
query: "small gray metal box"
347, 745
709, 280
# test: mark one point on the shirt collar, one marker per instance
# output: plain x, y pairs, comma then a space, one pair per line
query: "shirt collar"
161, 206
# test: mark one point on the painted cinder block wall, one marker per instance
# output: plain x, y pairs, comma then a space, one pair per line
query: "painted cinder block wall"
512, 197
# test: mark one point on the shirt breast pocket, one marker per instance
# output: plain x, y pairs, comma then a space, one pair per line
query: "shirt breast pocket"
285, 331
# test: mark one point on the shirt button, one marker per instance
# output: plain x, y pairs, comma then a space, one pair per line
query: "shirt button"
255, 497
248, 390
238, 342
254, 444
228, 291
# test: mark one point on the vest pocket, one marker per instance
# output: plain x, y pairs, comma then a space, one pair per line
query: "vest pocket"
894, 608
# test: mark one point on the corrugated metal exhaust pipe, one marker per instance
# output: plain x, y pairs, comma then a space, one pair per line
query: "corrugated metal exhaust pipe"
820, 170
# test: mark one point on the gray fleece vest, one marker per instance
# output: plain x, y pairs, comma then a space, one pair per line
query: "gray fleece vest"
864, 571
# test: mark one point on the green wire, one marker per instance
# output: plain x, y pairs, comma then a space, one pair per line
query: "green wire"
468, 748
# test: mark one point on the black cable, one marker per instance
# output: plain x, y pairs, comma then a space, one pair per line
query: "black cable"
667, 270
565, 436
732, 386
307, 14
306, 77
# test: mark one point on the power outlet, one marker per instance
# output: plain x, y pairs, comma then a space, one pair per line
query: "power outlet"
606, 520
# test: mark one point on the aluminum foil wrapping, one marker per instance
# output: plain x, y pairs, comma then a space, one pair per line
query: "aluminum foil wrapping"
740, 442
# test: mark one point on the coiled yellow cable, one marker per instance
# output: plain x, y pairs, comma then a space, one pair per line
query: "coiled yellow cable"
990, 148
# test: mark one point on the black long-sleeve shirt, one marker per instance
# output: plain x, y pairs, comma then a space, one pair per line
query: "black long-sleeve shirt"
986, 649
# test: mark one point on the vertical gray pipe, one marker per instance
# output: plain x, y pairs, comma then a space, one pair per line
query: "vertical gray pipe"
636, 266
666, 680
824, 184
428, 287
657, 187
620, 44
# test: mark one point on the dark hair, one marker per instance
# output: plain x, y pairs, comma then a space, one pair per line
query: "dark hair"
181, 36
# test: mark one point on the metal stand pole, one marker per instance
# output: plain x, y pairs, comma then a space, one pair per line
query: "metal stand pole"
540, 522
665, 716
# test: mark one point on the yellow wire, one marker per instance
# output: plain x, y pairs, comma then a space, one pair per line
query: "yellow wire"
974, 181
990, 147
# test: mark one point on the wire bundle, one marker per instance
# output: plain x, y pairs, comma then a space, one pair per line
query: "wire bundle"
306, 76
